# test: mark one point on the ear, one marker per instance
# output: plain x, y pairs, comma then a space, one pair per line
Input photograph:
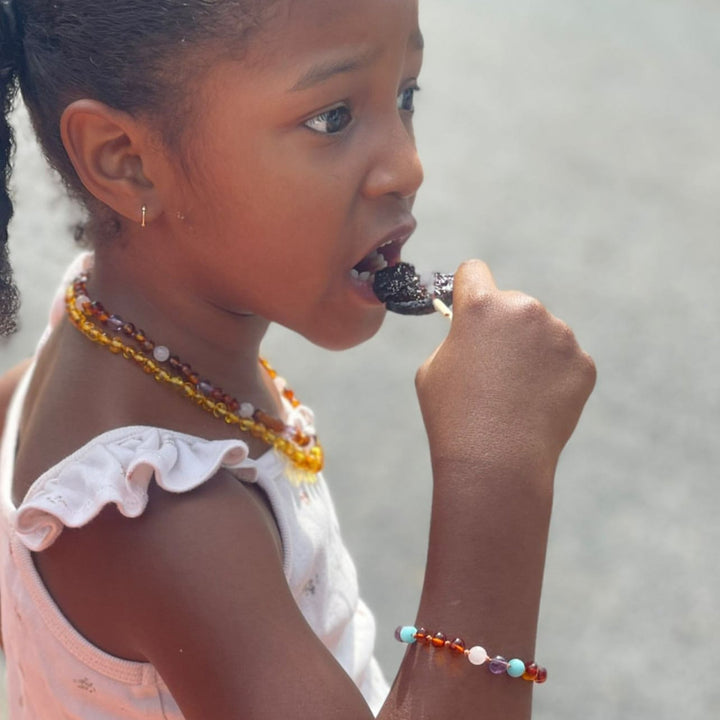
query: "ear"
110, 152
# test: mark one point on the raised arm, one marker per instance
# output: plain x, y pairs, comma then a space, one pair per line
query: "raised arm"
196, 584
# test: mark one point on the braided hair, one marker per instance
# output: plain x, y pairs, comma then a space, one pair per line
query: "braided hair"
9, 52
139, 56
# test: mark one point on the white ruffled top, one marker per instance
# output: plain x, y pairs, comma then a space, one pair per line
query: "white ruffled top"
52, 671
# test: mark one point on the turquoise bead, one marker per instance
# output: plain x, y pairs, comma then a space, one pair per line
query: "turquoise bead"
516, 668
407, 634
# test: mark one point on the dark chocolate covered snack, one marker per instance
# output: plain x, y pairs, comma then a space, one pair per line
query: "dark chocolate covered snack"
399, 287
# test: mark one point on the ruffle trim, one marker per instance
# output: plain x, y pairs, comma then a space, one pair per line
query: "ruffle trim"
116, 468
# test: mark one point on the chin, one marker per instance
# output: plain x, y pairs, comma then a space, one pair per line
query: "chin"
347, 335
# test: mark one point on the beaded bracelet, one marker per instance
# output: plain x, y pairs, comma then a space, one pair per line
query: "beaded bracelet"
477, 655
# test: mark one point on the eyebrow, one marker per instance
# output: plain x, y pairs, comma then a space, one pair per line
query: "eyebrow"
326, 69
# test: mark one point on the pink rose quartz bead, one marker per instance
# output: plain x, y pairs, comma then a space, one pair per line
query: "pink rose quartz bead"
477, 655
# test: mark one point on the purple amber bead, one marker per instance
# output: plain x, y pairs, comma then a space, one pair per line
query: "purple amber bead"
498, 665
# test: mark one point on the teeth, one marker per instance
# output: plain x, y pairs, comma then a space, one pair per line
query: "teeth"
354, 274
385, 244
364, 276
377, 260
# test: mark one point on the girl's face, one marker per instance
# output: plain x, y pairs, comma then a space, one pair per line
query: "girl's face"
301, 163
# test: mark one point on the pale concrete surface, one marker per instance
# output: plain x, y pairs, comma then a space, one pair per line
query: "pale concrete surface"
573, 144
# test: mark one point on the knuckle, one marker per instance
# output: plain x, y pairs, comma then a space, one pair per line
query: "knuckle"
529, 308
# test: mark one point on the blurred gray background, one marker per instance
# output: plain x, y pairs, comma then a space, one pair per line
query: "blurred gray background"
574, 145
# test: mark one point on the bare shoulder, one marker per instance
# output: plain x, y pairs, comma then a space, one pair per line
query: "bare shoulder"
196, 586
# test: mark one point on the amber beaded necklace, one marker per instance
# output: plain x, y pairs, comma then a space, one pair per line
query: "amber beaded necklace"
90, 317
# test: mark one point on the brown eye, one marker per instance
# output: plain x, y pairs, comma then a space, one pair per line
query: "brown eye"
331, 121
406, 99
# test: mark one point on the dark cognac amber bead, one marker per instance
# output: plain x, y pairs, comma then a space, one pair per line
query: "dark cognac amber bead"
542, 675
439, 640
531, 671
174, 362
185, 369
421, 634
458, 645
128, 329
233, 405
217, 394
148, 346
301, 439
140, 336
194, 378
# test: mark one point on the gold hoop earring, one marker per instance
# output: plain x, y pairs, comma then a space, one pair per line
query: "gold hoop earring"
143, 216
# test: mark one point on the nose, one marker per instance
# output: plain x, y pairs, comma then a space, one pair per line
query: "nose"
395, 167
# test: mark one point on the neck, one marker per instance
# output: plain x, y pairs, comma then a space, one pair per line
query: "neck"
221, 345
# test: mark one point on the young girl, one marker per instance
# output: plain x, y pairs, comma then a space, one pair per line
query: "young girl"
168, 546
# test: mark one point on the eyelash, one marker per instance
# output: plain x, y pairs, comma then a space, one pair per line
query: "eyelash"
342, 116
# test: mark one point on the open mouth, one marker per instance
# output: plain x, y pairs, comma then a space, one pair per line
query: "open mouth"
387, 255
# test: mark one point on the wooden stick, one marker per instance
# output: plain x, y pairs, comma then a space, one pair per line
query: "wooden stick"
442, 308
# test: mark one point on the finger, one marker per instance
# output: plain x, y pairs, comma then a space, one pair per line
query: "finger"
473, 281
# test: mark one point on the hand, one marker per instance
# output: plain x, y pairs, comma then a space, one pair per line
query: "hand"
508, 384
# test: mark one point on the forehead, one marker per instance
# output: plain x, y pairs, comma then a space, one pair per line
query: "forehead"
297, 28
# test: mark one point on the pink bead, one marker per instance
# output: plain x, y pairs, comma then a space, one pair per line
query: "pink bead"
477, 655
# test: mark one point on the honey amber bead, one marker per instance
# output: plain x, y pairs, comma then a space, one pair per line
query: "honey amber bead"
458, 645
148, 346
194, 378
531, 671
128, 329
439, 639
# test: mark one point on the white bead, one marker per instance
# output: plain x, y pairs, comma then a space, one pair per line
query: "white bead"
80, 301
161, 353
246, 410
477, 655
